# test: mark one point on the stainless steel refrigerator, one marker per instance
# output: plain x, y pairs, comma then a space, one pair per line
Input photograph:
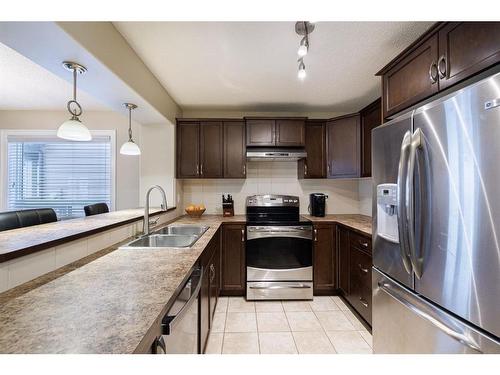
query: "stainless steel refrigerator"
436, 222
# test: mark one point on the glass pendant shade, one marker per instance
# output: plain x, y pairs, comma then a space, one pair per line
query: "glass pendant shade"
130, 148
74, 130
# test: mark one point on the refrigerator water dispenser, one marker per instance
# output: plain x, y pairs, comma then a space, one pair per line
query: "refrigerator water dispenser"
387, 218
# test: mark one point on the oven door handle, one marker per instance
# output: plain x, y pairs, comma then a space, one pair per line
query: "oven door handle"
298, 286
294, 232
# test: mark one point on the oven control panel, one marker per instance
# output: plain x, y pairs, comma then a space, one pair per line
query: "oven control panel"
271, 200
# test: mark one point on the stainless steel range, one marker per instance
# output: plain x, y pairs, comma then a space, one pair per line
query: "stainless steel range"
278, 249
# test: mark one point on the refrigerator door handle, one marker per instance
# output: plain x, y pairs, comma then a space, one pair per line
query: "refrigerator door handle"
401, 200
434, 317
416, 143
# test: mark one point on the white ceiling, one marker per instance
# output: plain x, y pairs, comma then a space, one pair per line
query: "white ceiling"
25, 85
253, 65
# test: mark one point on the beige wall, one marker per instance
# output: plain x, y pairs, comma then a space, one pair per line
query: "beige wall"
127, 167
158, 163
272, 178
365, 196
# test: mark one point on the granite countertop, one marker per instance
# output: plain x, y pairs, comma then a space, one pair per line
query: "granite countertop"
19, 242
360, 223
107, 305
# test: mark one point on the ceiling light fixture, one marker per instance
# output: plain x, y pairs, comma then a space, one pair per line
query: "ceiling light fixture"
302, 69
73, 129
130, 147
303, 28
304, 46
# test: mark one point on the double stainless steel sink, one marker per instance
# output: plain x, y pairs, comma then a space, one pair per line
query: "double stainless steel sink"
181, 236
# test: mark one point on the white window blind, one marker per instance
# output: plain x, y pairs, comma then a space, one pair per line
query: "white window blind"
45, 171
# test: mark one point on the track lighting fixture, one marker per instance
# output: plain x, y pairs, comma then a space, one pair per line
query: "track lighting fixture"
303, 28
302, 70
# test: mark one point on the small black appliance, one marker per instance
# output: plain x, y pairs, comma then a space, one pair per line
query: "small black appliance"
317, 202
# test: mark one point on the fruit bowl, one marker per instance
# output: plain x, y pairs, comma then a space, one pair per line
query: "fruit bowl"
195, 211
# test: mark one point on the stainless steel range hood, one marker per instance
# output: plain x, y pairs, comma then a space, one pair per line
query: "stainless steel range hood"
275, 154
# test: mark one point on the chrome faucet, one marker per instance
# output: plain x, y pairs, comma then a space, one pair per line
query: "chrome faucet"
146, 207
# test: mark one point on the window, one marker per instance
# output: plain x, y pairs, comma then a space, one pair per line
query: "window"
42, 170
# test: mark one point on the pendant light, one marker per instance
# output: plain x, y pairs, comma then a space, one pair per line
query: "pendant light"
130, 147
73, 129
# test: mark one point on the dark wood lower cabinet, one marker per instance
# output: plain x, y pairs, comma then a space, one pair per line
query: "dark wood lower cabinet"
355, 269
209, 292
204, 312
324, 259
343, 253
233, 260
360, 279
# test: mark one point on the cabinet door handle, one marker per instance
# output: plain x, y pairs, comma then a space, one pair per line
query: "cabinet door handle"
433, 72
364, 270
305, 169
442, 72
363, 302
315, 235
243, 235
212, 272
201, 169
363, 244
197, 169
244, 169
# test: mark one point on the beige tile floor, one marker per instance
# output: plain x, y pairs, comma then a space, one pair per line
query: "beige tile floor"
324, 325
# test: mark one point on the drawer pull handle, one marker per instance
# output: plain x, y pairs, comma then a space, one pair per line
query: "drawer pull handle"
363, 244
363, 302
364, 270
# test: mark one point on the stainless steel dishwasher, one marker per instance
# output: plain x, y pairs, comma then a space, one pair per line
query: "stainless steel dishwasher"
180, 324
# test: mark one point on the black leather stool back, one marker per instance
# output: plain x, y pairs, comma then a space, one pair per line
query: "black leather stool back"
26, 218
96, 209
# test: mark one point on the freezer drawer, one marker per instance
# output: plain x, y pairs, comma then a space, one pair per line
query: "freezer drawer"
403, 322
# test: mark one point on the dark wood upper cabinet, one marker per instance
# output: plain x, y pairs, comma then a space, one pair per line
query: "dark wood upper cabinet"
290, 133
371, 117
234, 149
314, 166
188, 149
260, 132
342, 146
413, 79
211, 149
466, 48
233, 260
270, 132
324, 255
448, 53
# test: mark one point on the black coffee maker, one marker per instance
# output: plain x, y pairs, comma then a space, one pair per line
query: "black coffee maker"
317, 203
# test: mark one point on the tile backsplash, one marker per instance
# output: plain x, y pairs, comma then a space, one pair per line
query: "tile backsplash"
273, 178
